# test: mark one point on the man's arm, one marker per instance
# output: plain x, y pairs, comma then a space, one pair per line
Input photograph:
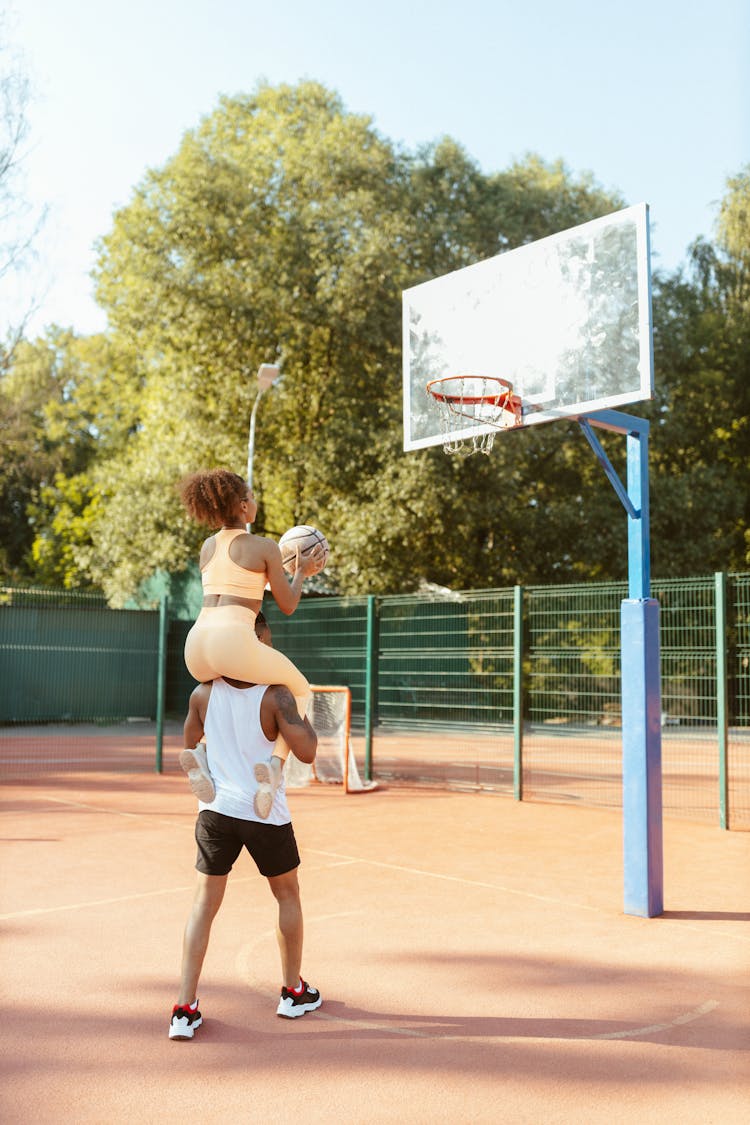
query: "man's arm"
296, 732
196, 716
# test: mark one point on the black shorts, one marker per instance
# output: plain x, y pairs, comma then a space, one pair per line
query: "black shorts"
221, 838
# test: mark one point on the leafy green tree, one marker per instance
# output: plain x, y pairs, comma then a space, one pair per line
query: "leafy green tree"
482, 521
269, 236
701, 416
65, 401
284, 230
31, 389
62, 514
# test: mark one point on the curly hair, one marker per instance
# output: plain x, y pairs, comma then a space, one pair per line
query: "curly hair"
212, 497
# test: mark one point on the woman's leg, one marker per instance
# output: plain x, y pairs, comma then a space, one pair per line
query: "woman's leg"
223, 643
236, 652
197, 643
273, 667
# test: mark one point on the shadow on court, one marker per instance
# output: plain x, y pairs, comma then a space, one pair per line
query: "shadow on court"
711, 915
472, 953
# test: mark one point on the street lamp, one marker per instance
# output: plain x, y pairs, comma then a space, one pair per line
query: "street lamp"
268, 373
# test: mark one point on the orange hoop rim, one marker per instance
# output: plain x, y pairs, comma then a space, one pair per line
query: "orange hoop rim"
496, 398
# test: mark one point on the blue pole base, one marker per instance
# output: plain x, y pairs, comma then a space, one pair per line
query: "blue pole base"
641, 759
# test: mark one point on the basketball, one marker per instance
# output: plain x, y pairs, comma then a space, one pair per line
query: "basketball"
304, 537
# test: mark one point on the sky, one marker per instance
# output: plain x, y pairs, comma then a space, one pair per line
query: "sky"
650, 96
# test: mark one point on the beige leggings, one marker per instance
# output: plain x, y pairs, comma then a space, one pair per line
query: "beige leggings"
222, 642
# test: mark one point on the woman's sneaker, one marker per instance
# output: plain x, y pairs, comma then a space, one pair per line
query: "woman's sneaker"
293, 1004
268, 776
184, 1021
195, 765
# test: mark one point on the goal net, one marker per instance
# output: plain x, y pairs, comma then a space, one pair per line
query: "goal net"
330, 712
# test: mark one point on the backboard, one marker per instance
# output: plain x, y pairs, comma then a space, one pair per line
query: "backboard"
566, 319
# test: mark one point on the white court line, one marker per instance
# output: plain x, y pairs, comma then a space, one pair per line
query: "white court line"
91, 903
109, 901
140, 895
243, 967
134, 898
654, 1028
456, 879
94, 808
243, 958
152, 817
520, 894
348, 859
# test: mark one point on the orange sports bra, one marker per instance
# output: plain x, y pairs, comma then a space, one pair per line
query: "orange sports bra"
223, 576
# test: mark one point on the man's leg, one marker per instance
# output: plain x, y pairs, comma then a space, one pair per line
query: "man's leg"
297, 996
289, 931
209, 893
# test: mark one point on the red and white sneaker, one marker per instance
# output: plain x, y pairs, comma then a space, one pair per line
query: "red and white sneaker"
296, 1003
184, 1021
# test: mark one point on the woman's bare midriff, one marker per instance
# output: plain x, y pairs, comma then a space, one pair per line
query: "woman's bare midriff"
211, 600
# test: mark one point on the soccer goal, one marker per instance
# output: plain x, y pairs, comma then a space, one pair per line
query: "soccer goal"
330, 712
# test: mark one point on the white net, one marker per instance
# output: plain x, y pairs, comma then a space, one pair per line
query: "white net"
481, 401
329, 712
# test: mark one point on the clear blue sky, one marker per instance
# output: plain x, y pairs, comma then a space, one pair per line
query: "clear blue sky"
652, 97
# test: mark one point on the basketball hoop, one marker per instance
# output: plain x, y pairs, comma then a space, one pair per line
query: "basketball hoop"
483, 400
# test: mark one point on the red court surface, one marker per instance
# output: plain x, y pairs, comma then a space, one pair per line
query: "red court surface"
568, 765
471, 951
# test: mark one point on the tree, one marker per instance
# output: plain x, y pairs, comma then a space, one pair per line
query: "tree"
701, 434
65, 404
483, 521
284, 229
29, 456
270, 235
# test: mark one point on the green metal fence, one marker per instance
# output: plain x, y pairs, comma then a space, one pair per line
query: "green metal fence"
512, 690
457, 700
72, 670
68, 657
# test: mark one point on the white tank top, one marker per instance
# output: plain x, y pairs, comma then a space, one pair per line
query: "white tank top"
235, 743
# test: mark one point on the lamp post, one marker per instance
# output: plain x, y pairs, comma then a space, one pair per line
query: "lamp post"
268, 373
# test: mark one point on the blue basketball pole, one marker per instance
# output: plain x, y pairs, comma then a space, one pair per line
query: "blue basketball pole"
641, 691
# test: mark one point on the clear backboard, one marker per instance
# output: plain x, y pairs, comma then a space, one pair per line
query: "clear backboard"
566, 320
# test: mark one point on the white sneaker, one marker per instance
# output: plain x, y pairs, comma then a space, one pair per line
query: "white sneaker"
195, 765
268, 777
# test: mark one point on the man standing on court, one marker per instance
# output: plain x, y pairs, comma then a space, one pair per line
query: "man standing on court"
244, 720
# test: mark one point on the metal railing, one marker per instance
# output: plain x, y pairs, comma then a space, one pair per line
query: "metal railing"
515, 690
